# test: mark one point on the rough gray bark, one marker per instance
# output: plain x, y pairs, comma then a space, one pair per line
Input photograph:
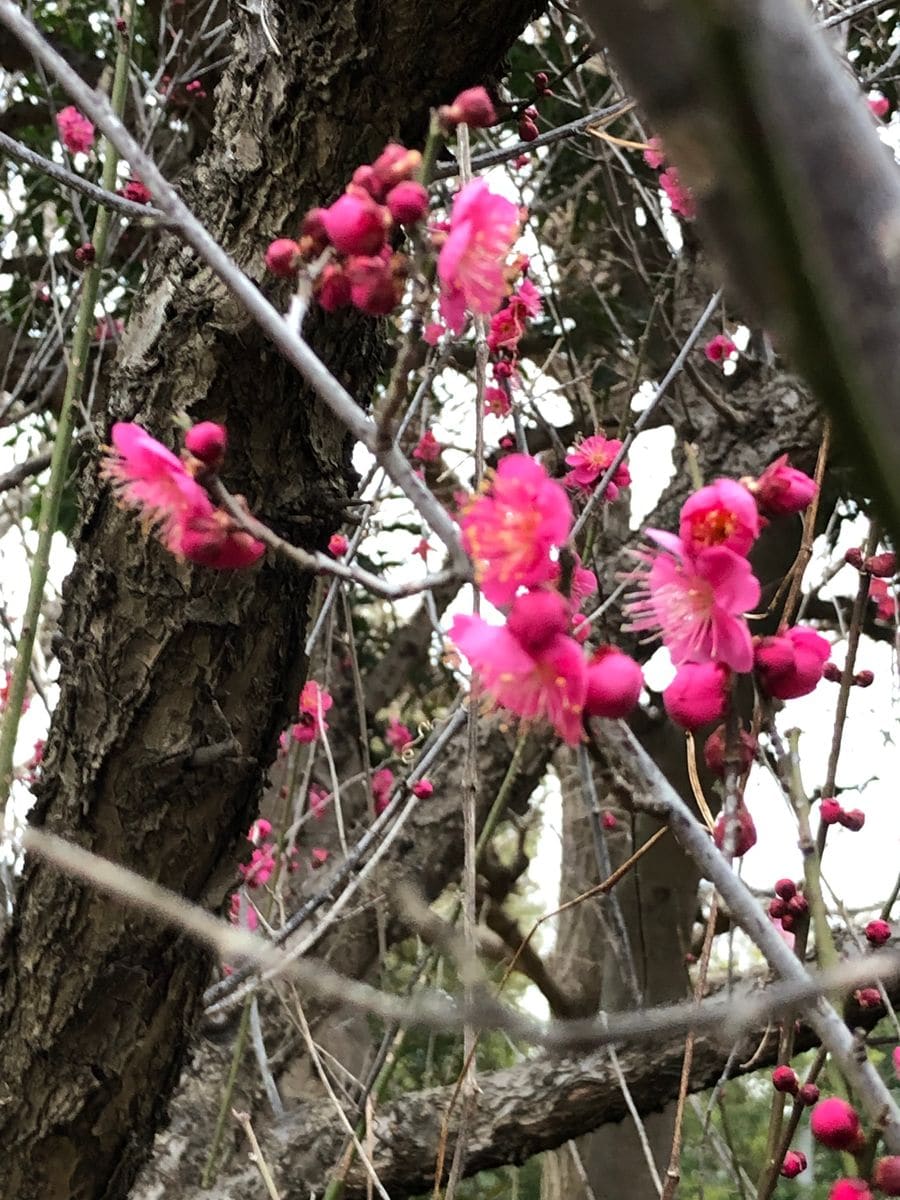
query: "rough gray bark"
160, 660
799, 196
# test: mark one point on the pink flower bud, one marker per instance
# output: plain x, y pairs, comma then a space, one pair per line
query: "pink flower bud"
785, 888
714, 751
472, 107
886, 1175
782, 489
614, 683
536, 618
854, 557
208, 442
394, 164
121, 25
282, 257
355, 224
830, 810
698, 695
136, 191
864, 679
423, 788
313, 226
784, 1079
878, 932
85, 253
609, 820
794, 1163
337, 545
852, 819
850, 1189
808, 1095
364, 177
542, 83
528, 131
374, 287
882, 566
788, 921
790, 664
428, 448
798, 906
408, 202
868, 997
879, 105
333, 288
832, 672
744, 836
777, 908
654, 155
835, 1124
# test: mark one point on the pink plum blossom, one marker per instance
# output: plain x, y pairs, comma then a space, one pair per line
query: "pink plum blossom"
696, 602
791, 663
590, 459
721, 514
719, 348
698, 695
397, 736
882, 595
483, 227
428, 448
423, 789
654, 155
510, 530
433, 333
508, 325
681, 198
496, 402
75, 130
314, 703
548, 683
382, 782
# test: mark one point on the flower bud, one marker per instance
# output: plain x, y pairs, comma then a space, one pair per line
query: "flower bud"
784, 1079
868, 997
614, 683
355, 224
798, 906
542, 83
698, 695
85, 254
714, 751
854, 557
836, 1125
423, 788
882, 566
794, 1163
850, 1189
208, 442
528, 131
337, 545
785, 888
790, 664
782, 489
830, 811
864, 679
832, 672
808, 1095
745, 838
282, 257
609, 820
878, 932
407, 202
777, 908
852, 819
886, 1175
472, 107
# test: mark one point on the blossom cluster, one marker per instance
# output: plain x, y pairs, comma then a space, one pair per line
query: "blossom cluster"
534, 665
681, 198
169, 493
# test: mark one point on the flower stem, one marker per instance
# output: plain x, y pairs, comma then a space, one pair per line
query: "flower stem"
52, 494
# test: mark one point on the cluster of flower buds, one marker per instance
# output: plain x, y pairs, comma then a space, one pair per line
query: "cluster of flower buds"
787, 905
362, 269
681, 198
784, 1079
831, 812
880, 566
833, 673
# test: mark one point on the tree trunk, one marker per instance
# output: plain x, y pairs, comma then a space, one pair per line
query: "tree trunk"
161, 661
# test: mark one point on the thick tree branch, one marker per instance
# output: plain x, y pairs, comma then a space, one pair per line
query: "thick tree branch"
803, 212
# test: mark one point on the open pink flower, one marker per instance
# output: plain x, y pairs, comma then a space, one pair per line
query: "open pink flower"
314, 704
75, 130
511, 529
546, 683
508, 325
590, 459
696, 602
146, 475
483, 227
721, 514
719, 348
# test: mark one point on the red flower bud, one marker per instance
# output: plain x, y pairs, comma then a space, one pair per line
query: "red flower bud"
886, 1175
798, 906
794, 1163
830, 812
882, 566
355, 224
337, 545
850, 1189
784, 1079
878, 932
208, 442
785, 888
854, 557
423, 788
542, 83
85, 253
788, 921
407, 202
528, 131
714, 751
782, 489
471, 107
777, 908
864, 679
746, 832
852, 819
282, 257
835, 1124
868, 997
832, 672
609, 820
808, 1095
